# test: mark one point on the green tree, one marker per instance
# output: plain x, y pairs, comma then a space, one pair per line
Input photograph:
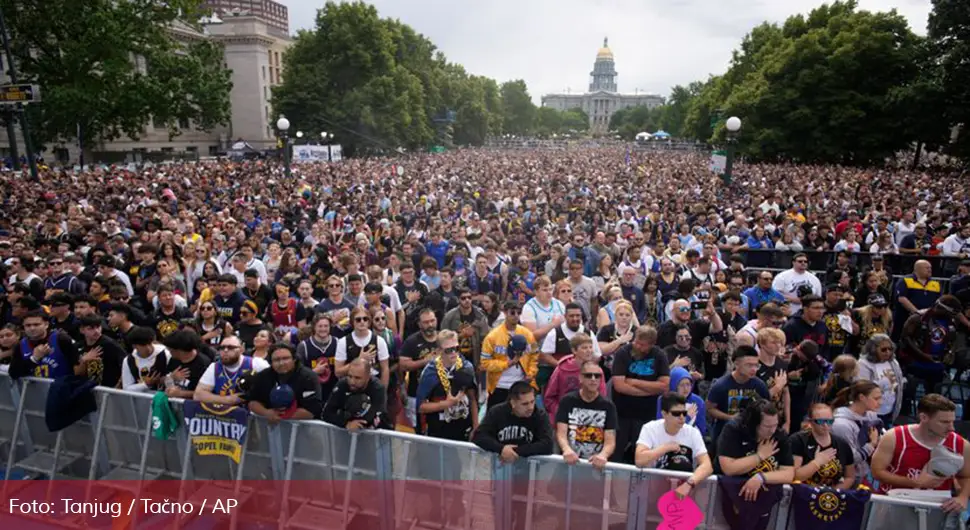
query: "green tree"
949, 44
823, 87
110, 66
379, 84
518, 111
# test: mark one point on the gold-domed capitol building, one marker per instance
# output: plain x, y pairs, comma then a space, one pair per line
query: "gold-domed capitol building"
603, 99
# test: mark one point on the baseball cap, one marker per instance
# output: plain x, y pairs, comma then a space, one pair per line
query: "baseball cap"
878, 300
517, 344
373, 288
834, 287
944, 463
281, 397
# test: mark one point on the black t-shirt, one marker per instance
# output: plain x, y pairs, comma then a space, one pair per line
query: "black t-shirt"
651, 367
837, 337
734, 442
105, 371
454, 423
768, 374
196, 368
586, 422
699, 330
416, 348
168, 323
305, 385
692, 353
803, 444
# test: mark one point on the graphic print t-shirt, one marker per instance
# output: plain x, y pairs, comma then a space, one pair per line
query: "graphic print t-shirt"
650, 367
587, 422
803, 444
728, 395
691, 443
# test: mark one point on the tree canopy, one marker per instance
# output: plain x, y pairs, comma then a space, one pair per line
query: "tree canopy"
110, 66
839, 85
381, 85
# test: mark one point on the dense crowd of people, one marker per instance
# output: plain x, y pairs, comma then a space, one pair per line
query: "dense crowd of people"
583, 302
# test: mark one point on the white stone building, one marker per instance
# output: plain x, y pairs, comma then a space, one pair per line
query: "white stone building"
254, 42
602, 99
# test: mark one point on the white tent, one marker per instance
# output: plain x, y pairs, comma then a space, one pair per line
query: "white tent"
644, 136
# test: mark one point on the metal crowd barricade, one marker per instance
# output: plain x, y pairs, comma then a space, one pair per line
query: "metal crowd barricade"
899, 264
316, 475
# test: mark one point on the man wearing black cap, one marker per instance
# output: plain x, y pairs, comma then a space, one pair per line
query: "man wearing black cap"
836, 311
871, 319
288, 390
107, 268
61, 316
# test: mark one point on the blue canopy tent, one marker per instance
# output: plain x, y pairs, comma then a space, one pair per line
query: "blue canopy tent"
661, 134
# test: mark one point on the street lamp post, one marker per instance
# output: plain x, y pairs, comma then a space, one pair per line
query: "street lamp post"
733, 125
299, 136
283, 125
326, 137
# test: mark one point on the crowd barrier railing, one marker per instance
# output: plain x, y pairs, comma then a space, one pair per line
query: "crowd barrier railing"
309, 474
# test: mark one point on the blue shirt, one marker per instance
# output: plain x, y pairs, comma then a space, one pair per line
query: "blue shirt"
727, 395
438, 251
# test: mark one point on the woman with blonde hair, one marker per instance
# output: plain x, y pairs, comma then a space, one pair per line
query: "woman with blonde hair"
617, 333
612, 295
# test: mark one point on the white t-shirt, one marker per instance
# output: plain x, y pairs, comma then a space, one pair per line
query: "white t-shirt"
692, 447
541, 316
209, 376
788, 282
549, 342
884, 376
382, 355
142, 366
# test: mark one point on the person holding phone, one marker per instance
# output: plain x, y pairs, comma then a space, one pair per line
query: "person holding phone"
700, 328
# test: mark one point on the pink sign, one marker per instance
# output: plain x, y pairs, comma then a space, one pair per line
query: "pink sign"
678, 514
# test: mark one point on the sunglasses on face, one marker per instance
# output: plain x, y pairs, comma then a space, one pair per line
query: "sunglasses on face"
592, 375
464, 297
229, 347
362, 319
823, 421
678, 413
450, 350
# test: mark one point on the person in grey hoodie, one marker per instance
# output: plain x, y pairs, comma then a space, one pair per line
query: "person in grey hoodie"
857, 423
878, 364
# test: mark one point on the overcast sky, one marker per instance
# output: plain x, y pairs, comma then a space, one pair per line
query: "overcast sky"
552, 43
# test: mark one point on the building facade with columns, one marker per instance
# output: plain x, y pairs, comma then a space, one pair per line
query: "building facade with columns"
603, 98
254, 42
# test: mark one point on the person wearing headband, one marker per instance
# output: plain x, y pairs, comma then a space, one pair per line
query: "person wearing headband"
926, 344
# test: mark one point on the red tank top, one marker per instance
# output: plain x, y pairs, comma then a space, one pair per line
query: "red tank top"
910, 456
284, 317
